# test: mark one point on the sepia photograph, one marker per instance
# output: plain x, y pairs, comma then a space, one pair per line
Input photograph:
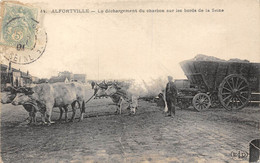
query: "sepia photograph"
128, 81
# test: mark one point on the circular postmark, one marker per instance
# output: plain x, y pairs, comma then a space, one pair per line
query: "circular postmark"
25, 40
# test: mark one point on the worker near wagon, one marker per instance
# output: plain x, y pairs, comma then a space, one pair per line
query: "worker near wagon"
93, 84
171, 96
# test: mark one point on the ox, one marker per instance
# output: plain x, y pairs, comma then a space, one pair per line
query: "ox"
100, 92
10, 93
118, 95
162, 96
55, 95
32, 108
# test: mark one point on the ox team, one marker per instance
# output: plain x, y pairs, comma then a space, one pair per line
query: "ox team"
43, 97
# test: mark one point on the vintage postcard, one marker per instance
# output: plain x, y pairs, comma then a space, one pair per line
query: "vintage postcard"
130, 81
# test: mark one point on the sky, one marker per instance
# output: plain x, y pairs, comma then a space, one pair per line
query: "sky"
144, 46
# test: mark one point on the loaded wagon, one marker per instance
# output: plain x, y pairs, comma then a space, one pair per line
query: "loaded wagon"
218, 83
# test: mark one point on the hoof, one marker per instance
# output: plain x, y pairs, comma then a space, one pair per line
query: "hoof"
44, 123
49, 123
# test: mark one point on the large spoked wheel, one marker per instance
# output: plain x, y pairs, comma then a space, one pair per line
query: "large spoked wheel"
234, 92
201, 101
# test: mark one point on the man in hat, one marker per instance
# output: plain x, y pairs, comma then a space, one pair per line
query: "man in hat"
171, 96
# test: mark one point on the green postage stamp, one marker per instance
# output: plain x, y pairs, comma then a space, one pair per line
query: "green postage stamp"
22, 39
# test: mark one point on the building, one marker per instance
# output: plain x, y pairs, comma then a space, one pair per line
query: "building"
56, 79
26, 78
80, 78
67, 77
14, 77
4, 76
35, 79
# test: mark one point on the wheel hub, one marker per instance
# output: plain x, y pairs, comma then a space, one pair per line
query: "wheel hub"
235, 92
201, 101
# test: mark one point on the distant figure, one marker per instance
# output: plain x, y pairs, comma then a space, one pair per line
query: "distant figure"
171, 96
93, 84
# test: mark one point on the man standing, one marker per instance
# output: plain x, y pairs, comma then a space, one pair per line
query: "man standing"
171, 95
93, 84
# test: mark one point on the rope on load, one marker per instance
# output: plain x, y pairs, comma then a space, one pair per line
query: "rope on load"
255, 146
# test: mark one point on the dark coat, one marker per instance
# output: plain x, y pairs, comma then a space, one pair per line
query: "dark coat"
171, 90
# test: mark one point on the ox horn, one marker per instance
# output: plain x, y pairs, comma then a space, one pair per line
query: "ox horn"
11, 89
21, 90
29, 90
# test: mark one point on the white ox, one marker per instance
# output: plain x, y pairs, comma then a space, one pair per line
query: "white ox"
8, 96
118, 95
56, 95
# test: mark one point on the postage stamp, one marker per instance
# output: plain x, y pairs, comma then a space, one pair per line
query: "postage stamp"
22, 38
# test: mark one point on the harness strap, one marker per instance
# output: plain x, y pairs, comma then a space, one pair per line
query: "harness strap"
31, 103
123, 95
91, 97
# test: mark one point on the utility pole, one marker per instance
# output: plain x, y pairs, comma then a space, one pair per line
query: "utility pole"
98, 67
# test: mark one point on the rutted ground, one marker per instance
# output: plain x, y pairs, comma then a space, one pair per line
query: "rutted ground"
148, 136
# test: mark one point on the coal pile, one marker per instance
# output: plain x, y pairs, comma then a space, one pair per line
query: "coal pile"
202, 57
238, 60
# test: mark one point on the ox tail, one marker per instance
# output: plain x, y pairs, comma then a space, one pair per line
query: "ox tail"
164, 99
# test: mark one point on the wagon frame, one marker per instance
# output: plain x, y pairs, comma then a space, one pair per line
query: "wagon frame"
219, 83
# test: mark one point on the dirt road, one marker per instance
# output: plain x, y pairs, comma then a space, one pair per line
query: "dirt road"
149, 136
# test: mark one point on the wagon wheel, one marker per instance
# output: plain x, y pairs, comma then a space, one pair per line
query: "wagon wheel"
234, 92
201, 101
